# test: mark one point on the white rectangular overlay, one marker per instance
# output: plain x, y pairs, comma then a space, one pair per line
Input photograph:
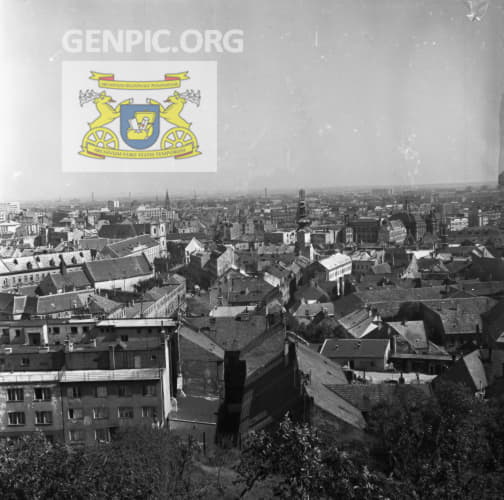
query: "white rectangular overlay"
97, 96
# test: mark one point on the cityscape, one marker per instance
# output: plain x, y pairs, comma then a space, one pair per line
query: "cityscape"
215, 317
252, 251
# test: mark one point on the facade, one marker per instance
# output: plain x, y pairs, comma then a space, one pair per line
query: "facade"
333, 268
392, 232
31, 270
365, 229
83, 393
358, 354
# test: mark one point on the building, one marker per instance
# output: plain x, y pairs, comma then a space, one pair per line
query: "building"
82, 394
365, 229
392, 232
333, 268
143, 244
30, 270
301, 376
119, 274
358, 354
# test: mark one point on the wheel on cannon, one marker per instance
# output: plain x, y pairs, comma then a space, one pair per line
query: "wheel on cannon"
179, 137
101, 137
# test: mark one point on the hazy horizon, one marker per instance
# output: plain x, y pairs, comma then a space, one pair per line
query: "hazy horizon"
342, 93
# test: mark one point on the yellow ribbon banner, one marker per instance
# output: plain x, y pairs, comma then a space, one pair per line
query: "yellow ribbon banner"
108, 81
179, 153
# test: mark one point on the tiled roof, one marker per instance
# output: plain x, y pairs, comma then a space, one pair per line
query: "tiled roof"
117, 231
461, 315
118, 269
98, 304
413, 332
129, 245
359, 348
401, 294
366, 396
322, 372
73, 279
43, 261
358, 323
229, 333
60, 302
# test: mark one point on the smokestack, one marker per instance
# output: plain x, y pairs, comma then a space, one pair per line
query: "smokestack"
500, 179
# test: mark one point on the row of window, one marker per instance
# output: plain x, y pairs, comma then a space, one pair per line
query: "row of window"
74, 330
102, 391
17, 394
19, 418
26, 278
39, 394
103, 412
79, 435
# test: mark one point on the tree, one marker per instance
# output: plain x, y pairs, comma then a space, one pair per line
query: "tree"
441, 447
141, 463
299, 464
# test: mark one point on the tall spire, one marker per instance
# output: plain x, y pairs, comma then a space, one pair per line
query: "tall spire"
302, 219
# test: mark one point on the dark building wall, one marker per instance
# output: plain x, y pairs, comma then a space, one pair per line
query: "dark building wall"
202, 372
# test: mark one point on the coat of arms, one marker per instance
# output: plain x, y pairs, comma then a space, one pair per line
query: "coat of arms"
141, 125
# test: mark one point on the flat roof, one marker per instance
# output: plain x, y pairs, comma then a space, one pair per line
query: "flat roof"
70, 376
137, 322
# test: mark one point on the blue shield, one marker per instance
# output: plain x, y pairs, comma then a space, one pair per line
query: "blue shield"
139, 125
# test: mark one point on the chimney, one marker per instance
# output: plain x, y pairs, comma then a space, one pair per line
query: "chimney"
286, 351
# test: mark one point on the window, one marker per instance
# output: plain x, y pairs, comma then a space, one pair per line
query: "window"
16, 418
16, 394
74, 330
100, 413
149, 390
43, 418
18, 333
101, 391
85, 329
124, 338
125, 412
102, 435
75, 413
42, 394
76, 435
74, 392
56, 329
25, 361
124, 391
149, 412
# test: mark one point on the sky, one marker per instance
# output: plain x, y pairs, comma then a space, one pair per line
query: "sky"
324, 94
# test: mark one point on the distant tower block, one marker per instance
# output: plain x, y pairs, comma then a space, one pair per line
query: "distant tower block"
266, 193
303, 221
167, 203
